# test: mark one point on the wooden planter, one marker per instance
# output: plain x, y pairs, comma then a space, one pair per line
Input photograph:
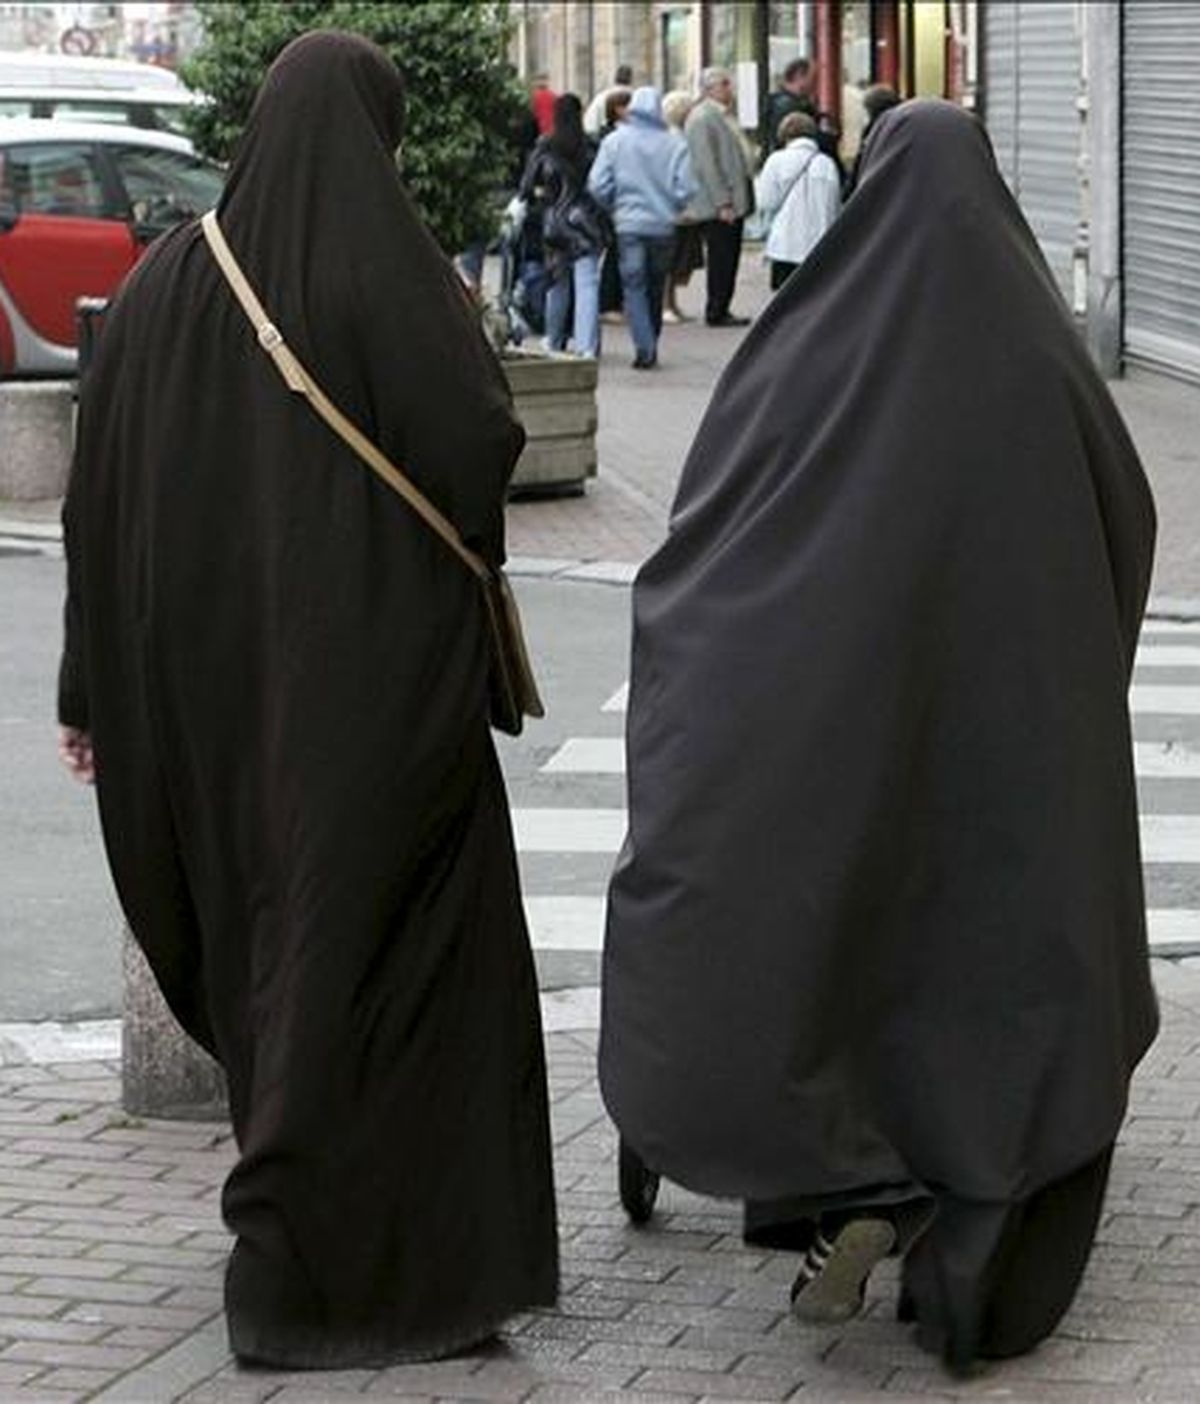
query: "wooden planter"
555, 399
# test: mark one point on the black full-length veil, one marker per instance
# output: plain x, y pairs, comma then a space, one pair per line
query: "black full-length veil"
285, 676
878, 921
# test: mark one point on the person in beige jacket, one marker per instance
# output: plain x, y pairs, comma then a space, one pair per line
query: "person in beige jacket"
725, 191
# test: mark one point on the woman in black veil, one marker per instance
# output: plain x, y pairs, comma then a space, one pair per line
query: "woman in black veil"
282, 673
876, 957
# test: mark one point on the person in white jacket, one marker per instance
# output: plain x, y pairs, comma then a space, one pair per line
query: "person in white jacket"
800, 192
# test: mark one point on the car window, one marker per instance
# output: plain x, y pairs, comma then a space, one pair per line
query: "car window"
16, 107
54, 178
170, 117
164, 186
81, 110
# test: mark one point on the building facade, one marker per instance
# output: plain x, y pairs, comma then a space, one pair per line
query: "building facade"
1085, 106
163, 32
920, 46
1084, 100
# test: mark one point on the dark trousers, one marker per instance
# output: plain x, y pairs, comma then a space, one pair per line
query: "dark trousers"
723, 245
781, 271
610, 282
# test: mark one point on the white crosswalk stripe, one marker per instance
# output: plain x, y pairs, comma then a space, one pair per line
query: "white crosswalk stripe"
1170, 835
1153, 627
588, 755
1169, 656
1165, 760
1164, 700
565, 923
619, 701
568, 830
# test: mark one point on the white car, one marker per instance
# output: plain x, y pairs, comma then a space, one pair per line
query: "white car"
93, 90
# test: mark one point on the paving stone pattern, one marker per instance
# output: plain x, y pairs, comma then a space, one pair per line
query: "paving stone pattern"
647, 421
111, 1253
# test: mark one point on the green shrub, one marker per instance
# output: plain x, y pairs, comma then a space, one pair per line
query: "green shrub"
463, 94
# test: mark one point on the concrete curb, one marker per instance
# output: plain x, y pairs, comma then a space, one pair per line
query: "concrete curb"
575, 1009
585, 572
45, 538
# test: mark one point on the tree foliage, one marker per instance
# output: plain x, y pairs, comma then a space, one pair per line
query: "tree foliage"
462, 92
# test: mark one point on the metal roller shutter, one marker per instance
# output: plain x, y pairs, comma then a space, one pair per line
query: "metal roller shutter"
1161, 184
1000, 84
1032, 64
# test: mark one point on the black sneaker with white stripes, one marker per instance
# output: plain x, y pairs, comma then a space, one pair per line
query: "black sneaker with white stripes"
832, 1282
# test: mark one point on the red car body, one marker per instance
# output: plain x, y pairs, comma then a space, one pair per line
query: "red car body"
78, 205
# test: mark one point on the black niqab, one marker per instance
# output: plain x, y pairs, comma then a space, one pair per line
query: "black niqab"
284, 673
878, 923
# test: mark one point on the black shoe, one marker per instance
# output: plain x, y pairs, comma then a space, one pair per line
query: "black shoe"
728, 320
644, 362
831, 1285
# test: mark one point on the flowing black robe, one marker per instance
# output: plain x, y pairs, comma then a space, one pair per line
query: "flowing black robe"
877, 929
284, 675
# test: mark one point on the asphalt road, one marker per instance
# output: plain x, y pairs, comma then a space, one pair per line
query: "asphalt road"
59, 920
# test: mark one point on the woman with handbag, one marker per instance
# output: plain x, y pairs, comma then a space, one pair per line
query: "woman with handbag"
282, 669
883, 829
799, 192
574, 229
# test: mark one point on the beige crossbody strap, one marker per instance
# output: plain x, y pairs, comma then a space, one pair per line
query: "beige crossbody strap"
301, 383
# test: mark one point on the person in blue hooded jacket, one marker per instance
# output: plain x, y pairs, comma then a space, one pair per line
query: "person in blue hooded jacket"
643, 175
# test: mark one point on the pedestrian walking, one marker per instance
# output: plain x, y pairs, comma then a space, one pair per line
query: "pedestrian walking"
688, 253
799, 192
597, 117
876, 954
723, 192
541, 103
795, 93
282, 673
574, 228
616, 109
877, 100
643, 175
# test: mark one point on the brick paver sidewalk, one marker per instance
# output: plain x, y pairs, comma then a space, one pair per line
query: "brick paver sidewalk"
648, 422
111, 1252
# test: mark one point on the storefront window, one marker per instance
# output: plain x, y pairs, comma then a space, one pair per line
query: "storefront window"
784, 40
856, 43
634, 38
929, 48
676, 50
534, 38
731, 34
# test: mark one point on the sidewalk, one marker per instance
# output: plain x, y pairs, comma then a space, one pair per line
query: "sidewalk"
648, 422
111, 1245
112, 1249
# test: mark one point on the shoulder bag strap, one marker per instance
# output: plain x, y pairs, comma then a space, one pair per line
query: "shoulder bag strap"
798, 177
300, 382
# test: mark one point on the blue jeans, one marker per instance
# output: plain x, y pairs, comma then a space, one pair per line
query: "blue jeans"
584, 273
645, 262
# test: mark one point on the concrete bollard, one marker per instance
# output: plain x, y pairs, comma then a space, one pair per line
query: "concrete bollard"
36, 428
163, 1073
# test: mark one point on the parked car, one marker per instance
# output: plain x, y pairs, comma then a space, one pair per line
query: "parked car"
79, 202
93, 90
